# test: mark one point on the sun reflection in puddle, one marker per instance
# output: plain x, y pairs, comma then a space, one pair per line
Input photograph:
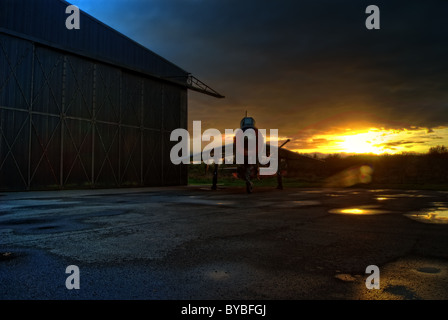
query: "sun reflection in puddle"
358, 211
352, 211
435, 215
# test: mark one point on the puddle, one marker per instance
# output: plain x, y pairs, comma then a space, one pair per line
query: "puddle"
202, 201
402, 291
218, 275
17, 222
429, 270
436, 216
42, 226
440, 205
27, 204
367, 210
406, 195
293, 204
46, 227
311, 191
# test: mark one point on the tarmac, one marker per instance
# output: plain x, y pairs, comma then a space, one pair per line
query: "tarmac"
189, 242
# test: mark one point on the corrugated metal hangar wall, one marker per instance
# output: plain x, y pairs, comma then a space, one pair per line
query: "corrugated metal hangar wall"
83, 108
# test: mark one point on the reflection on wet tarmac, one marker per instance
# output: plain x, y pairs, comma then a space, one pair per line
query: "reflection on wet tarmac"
312, 191
334, 195
218, 275
352, 211
406, 195
358, 211
440, 205
435, 215
292, 204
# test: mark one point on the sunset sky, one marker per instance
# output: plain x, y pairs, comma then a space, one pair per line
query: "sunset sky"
308, 68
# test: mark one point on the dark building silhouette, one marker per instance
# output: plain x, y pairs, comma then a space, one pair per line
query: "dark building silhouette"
84, 108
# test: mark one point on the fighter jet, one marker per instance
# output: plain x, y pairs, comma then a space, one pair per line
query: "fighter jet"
249, 171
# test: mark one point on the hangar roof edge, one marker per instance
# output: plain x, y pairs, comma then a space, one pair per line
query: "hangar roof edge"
43, 21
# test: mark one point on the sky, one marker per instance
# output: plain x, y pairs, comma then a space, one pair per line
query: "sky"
310, 69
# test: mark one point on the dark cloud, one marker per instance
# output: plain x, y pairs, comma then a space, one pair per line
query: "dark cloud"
398, 143
301, 66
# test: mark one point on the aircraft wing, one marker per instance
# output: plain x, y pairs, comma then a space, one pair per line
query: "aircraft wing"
282, 153
191, 158
288, 154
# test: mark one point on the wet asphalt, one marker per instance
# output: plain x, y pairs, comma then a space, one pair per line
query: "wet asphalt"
184, 243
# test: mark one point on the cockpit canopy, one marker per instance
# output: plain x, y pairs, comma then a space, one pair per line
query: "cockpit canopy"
247, 122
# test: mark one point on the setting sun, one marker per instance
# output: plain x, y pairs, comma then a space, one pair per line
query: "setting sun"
377, 141
361, 143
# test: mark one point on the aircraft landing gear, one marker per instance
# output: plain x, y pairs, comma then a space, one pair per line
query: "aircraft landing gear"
215, 177
279, 181
249, 186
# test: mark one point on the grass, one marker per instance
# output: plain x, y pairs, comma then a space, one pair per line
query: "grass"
391, 172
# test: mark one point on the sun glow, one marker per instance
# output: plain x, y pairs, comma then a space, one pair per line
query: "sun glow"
377, 141
367, 142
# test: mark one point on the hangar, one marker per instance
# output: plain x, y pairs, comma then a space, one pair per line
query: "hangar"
87, 108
